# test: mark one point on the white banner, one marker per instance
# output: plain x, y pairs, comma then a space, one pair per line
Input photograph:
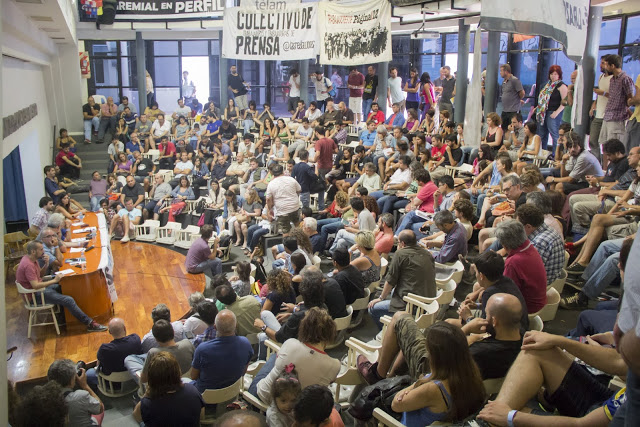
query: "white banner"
355, 35
565, 21
287, 33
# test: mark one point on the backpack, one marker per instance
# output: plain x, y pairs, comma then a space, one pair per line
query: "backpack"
317, 184
333, 92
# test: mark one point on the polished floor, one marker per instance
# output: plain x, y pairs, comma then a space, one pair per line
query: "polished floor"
145, 275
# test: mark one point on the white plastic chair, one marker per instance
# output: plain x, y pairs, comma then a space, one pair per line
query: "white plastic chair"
535, 323
167, 235
166, 173
100, 99
456, 275
549, 311
385, 419
558, 284
443, 297
316, 261
107, 384
219, 396
34, 307
152, 155
342, 323
184, 237
384, 263
147, 232
360, 305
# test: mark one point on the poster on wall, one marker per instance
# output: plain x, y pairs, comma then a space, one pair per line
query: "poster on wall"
565, 21
85, 66
355, 35
286, 32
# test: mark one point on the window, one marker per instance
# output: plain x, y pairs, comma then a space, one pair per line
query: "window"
526, 43
167, 71
432, 45
610, 32
195, 48
633, 30
165, 48
106, 72
431, 64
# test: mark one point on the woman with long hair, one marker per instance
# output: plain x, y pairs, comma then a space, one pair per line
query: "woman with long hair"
152, 111
279, 152
250, 117
199, 176
65, 138
549, 109
69, 207
241, 281
114, 189
531, 147
412, 87
181, 128
267, 133
122, 131
427, 93
231, 112
428, 123
484, 153
229, 211
452, 391
504, 167
283, 131
249, 212
413, 122
168, 401
123, 165
215, 208
280, 291
182, 192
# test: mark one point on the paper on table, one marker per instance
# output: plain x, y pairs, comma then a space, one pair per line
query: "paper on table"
65, 272
84, 230
76, 250
79, 240
75, 224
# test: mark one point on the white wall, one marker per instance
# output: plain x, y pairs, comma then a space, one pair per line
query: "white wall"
36, 137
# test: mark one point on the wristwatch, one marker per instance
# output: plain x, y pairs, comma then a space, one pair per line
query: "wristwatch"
264, 328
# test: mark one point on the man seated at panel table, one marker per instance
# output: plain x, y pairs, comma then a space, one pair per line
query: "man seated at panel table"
29, 276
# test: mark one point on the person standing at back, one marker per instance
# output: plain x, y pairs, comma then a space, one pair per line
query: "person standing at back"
239, 87
355, 82
512, 93
283, 199
394, 89
621, 89
370, 91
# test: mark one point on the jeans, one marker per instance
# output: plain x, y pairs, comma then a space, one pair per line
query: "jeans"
549, 127
328, 226
305, 199
379, 310
377, 194
134, 364
480, 202
467, 153
366, 107
268, 367
92, 377
53, 295
270, 320
88, 124
344, 239
408, 221
547, 172
603, 268
248, 124
210, 267
253, 235
386, 203
591, 322
106, 123
95, 203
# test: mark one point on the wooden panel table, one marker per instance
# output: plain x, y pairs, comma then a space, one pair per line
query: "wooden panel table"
89, 287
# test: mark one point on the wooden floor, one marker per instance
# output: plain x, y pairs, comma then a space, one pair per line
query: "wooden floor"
145, 275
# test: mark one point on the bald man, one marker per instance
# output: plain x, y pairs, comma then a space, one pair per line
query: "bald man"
111, 355
405, 343
219, 363
242, 419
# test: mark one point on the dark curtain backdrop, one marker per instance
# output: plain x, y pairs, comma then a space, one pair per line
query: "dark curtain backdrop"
15, 203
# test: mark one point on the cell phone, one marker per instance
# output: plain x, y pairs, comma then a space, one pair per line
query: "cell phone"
89, 248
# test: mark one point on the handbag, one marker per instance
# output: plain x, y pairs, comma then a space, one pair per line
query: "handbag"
201, 220
379, 395
242, 218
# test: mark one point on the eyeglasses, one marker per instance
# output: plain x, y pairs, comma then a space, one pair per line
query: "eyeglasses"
506, 188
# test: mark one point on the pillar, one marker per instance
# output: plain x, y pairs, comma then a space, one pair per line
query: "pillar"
141, 67
4, 404
491, 81
383, 77
304, 81
223, 74
463, 67
590, 62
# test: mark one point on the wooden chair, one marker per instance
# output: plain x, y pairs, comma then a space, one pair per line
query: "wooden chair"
14, 249
147, 232
220, 396
108, 384
167, 235
34, 307
342, 323
184, 237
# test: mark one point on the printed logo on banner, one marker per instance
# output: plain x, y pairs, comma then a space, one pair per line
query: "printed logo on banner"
140, 10
355, 35
274, 30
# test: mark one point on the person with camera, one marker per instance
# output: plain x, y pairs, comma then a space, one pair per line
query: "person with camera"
201, 258
85, 407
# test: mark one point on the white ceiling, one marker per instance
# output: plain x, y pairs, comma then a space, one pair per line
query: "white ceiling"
58, 19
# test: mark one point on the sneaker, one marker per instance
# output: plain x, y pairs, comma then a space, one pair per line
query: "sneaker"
96, 327
576, 269
574, 302
368, 370
125, 239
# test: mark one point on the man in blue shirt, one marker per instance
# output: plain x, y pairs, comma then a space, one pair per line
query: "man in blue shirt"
455, 238
220, 362
396, 119
213, 127
53, 190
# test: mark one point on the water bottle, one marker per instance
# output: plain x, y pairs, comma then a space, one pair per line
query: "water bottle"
83, 264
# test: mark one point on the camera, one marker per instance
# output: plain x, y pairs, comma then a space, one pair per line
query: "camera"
80, 366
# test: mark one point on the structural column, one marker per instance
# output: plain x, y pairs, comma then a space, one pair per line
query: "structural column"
463, 67
304, 81
141, 67
223, 74
589, 63
383, 76
491, 80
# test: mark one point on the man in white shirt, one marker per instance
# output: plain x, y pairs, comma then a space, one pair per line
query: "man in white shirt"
394, 89
160, 128
323, 87
597, 110
182, 110
283, 198
183, 167
313, 113
127, 218
301, 138
294, 91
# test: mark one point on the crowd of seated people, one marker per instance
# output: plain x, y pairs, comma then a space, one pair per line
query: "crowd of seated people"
395, 193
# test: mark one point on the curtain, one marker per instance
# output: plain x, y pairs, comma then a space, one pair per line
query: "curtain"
15, 202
